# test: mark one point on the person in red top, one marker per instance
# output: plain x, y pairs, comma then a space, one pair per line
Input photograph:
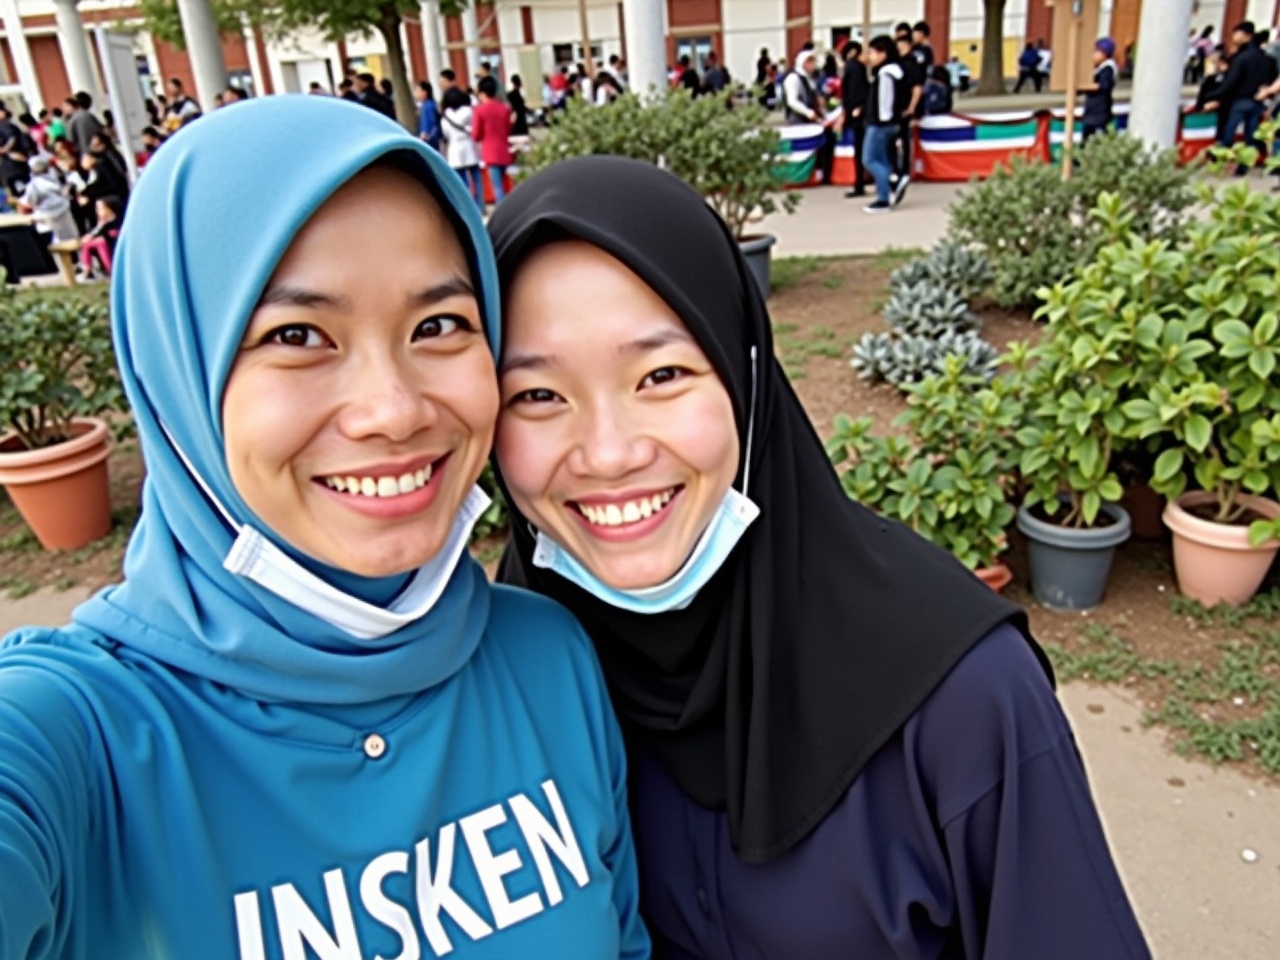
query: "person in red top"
491, 129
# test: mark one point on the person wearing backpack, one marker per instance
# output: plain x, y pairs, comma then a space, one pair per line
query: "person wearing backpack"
937, 93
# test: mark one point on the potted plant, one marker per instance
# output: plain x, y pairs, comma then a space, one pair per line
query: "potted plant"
727, 152
1070, 514
1112, 312
59, 373
1220, 415
949, 480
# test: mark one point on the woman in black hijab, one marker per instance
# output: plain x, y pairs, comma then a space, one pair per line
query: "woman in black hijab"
841, 743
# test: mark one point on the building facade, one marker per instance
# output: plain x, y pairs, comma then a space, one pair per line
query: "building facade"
531, 37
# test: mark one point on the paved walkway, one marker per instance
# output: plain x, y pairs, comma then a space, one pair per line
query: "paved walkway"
826, 224
1180, 830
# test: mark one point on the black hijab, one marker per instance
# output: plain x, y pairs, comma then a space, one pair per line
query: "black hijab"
828, 626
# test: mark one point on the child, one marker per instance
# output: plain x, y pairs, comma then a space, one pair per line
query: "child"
47, 202
1097, 101
101, 240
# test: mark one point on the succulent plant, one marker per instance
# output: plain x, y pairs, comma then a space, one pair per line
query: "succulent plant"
928, 309
949, 264
871, 355
907, 360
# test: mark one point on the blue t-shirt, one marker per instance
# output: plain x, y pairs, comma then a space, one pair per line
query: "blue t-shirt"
149, 813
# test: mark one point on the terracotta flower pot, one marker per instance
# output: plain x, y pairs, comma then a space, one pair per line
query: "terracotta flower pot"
1213, 561
61, 490
996, 577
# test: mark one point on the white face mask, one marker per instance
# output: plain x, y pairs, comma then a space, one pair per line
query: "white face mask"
254, 557
734, 515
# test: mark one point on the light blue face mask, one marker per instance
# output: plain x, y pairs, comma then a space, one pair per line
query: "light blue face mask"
732, 518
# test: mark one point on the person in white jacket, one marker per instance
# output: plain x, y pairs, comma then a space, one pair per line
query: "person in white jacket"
47, 200
461, 149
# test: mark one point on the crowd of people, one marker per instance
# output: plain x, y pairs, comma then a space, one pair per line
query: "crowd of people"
1239, 82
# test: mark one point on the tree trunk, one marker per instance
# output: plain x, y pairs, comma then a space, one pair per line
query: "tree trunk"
992, 80
406, 111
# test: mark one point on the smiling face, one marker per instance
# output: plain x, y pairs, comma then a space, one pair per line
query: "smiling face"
361, 407
616, 437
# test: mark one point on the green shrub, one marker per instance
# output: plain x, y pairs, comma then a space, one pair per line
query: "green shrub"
730, 156
58, 364
1036, 229
951, 479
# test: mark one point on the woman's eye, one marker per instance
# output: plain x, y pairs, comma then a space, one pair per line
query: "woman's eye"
440, 327
536, 395
296, 335
663, 375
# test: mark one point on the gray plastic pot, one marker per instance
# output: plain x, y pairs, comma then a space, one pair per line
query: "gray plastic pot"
1069, 567
756, 250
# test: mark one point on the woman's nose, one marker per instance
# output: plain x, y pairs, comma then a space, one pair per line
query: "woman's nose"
387, 399
611, 445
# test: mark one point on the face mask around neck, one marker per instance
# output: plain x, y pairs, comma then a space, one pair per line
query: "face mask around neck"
732, 518
254, 557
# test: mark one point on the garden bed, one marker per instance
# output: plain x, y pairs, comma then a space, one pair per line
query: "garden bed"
1212, 676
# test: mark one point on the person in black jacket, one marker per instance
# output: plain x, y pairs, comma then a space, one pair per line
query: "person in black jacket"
913, 90
854, 89
1248, 73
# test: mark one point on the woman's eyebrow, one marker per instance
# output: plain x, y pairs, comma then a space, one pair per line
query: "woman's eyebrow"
639, 346
655, 341
438, 292
293, 296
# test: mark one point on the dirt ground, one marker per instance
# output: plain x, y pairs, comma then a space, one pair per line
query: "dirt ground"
821, 308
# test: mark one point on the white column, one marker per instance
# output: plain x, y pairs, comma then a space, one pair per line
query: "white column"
646, 53
256, 67
432, 30
81, 70
21, 56
471, 35
204, 47
1157, 82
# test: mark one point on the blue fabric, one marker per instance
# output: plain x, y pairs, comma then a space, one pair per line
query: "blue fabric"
878, 143
186, 771
496, 176
429, 123
471, 178
194, 256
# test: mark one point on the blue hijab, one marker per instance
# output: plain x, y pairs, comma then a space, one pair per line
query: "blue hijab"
212, 216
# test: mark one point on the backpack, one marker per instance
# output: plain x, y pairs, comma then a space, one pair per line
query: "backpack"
937, 98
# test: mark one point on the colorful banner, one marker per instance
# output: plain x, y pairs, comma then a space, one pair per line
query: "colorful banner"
960, 147
963, 146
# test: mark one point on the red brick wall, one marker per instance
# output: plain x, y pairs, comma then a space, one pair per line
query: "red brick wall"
51, 73
1039, 21
457, 57
937, 13
798, 35
417, 50
695, 13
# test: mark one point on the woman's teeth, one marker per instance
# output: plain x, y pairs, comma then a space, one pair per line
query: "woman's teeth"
633, 511
381, 486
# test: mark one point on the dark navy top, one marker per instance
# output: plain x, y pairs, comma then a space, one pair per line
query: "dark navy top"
972, 833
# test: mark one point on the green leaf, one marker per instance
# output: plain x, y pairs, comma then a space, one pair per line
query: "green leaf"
1262, 362
1261, 531
1167, 465
1198, 432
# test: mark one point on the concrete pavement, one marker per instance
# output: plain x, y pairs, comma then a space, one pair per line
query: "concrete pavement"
826, 224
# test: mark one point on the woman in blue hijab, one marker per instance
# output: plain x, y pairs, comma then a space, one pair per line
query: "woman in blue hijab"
305, 725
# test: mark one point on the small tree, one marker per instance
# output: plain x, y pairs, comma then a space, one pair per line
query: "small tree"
730, 156
334, 18
992, 80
